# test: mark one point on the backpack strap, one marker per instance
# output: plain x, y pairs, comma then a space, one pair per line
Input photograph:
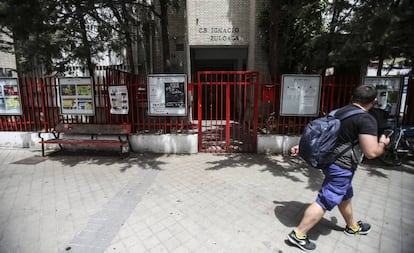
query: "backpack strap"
342, 117
346, 114
346, 150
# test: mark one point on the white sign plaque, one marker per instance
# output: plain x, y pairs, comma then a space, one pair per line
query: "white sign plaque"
167, 95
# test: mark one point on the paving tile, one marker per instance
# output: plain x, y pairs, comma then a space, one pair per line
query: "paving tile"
194, 203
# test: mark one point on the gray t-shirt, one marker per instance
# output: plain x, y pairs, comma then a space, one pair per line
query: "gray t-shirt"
351, 128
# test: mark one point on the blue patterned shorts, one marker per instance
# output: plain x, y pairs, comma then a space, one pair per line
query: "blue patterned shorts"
336, 187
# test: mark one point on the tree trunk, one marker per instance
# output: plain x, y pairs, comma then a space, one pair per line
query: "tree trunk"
164, 34
87, 54
380, 60
273, 37
331, 36
128, 38
86, 48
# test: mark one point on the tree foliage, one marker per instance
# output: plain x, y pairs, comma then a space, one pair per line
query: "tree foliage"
310, 36
290, 30
32, 29
374, 30
300, 36
54, 33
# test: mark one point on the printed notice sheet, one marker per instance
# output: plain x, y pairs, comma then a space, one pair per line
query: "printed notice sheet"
300, 95
118, 96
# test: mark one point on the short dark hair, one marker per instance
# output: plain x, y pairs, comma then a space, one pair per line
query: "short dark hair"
364, 94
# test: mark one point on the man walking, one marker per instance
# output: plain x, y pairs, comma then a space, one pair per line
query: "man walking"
336, 189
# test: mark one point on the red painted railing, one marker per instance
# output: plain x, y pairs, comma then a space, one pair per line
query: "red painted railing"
41, 111
334, 93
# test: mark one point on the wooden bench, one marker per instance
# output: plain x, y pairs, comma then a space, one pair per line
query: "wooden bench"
89, 134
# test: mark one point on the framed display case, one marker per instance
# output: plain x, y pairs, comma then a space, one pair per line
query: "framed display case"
10, 101
301, 95
76, 95
167, 95
388, 93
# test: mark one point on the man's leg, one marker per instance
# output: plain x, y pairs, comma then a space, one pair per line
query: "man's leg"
352, 228
312, 215
345, 207
330, 195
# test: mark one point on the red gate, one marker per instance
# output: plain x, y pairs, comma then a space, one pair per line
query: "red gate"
227, 107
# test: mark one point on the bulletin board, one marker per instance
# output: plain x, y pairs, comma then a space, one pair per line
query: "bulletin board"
10, 102
167, 95
301, 95
76, 95
388, 92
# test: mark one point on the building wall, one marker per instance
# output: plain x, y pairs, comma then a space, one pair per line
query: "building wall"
7, 61
227, 24
178, 38
261, 57
218, 22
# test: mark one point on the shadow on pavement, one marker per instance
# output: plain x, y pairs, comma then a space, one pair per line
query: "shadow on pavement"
31, 160
74, 158
375, 164
289, 213
278, 165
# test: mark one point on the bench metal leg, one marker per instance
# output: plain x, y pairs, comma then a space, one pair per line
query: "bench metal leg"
43, 149
56, 135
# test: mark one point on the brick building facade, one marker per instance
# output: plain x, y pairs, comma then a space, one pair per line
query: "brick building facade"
216, 35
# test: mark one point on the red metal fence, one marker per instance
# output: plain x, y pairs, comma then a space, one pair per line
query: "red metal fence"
335, 93
41, 111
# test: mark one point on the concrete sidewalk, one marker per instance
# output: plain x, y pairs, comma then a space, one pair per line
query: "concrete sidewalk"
189, 203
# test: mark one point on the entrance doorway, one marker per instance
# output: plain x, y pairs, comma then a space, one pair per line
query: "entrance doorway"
218, 59
226, 105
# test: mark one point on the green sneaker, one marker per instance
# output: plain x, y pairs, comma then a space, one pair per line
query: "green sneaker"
303, 244
363, 229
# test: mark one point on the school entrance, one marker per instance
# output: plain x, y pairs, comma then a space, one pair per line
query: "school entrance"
226, 111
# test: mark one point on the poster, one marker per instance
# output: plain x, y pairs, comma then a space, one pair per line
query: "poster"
10, 103
388, 92
76, 95
167, 95
301, 95
118, 96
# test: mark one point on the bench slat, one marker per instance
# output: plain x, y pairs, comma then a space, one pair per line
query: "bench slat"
87, 142
98, 129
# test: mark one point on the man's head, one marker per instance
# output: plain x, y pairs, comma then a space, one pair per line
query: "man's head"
364, 94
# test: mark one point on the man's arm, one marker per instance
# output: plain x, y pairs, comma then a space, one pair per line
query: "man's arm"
370, 145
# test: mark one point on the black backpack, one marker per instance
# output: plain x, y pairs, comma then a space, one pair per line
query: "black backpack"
319, 139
